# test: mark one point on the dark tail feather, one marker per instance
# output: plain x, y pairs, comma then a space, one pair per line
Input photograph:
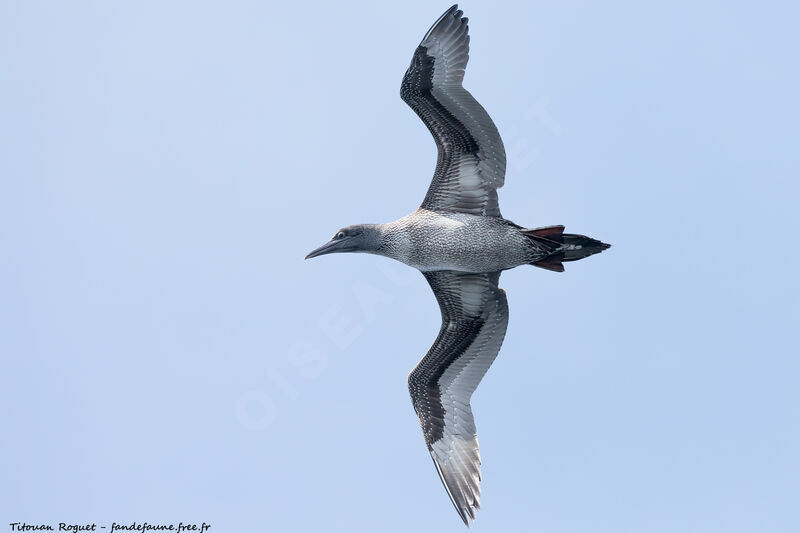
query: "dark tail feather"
562, 247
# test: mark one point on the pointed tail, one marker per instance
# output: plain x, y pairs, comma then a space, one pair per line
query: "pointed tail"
562, 247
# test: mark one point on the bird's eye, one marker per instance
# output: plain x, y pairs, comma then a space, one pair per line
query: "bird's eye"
340, 235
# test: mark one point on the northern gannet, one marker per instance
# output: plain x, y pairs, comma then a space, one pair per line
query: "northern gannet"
461, 244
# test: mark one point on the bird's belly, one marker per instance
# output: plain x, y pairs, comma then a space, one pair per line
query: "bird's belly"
466, 248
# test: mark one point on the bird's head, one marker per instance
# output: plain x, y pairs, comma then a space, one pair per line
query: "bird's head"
358, 238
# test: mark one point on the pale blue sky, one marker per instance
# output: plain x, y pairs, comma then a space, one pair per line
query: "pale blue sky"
167, 355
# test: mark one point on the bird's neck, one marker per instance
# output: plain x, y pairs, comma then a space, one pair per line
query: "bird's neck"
393, 240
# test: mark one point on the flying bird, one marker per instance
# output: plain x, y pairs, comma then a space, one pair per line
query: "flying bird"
461, 243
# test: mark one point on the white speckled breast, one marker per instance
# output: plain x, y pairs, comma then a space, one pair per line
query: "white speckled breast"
429, 241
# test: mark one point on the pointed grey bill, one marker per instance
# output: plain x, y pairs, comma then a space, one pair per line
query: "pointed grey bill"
331, 247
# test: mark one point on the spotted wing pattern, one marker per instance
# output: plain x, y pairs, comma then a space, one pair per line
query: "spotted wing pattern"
471, 161
474, 319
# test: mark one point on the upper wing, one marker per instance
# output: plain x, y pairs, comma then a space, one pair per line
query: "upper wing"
474, 320
471, 163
